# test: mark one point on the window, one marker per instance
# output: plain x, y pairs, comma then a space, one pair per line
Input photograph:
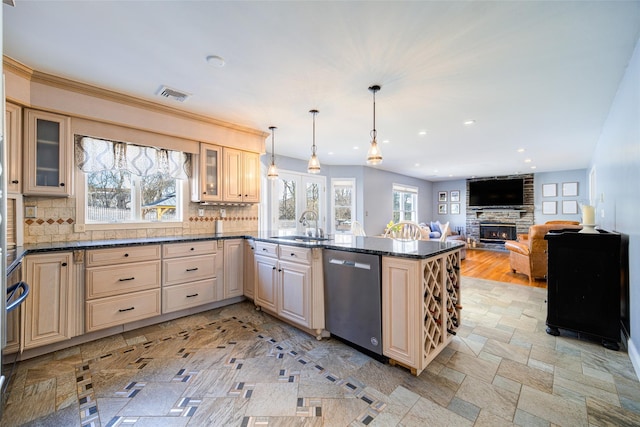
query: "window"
405, 203
343, 197
291, 195
129, 183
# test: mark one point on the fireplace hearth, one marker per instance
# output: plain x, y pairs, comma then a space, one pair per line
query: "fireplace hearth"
497, 232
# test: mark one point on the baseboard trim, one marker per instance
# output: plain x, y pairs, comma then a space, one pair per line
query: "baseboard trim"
634, 355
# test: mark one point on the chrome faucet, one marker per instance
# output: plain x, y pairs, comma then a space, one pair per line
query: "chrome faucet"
311, 215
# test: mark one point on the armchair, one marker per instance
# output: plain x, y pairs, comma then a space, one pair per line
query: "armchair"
529, 256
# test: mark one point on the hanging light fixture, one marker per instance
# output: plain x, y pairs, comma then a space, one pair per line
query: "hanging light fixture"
314, 163
272, 172
374, 155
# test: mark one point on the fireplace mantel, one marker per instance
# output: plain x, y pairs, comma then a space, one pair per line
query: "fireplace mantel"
512, 213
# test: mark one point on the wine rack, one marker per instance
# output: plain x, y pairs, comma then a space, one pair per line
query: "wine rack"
441, 303
420, 308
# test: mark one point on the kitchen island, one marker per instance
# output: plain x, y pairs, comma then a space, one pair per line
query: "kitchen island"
420, 297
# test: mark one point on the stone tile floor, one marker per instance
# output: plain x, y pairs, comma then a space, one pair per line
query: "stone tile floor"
236, 366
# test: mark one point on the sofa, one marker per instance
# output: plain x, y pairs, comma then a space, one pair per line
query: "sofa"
528, 254
442, 232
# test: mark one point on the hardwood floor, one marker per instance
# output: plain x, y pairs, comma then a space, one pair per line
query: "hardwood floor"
494, 265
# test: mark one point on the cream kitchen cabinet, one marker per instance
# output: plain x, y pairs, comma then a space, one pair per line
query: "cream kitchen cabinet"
289, 283
13, 136
189, 274
266, 276
207, 177
233, 268
241, 179
249, 268
48, 154
122, 285
48, 315
420, 308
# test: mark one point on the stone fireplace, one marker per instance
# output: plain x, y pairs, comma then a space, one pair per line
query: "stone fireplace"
517, 220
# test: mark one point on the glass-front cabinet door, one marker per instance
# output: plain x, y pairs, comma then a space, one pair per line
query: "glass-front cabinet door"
210, 173
48, 154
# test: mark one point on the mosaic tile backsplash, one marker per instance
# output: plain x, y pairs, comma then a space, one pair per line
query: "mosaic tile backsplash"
56, 218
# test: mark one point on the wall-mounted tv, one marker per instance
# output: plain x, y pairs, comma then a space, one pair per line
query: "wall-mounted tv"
496, 193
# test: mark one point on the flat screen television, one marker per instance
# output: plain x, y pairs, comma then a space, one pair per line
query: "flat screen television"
496, 193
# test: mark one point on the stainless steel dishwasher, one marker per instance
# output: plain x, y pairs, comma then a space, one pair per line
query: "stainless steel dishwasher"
353, 307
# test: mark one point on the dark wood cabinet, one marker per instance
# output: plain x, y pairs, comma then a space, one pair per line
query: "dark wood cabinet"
585, 284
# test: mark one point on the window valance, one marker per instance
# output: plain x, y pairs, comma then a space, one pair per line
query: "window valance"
95, 155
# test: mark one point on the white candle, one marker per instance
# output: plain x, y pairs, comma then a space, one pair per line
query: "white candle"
588, 214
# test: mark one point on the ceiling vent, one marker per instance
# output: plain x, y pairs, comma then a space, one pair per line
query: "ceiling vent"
176, 95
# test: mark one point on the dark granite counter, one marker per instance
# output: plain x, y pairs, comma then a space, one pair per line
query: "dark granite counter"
371, 245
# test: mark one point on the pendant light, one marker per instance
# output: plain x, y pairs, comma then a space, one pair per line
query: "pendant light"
374, 155
272, 173
314, 163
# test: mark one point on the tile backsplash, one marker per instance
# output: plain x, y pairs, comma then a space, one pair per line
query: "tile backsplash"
56, 217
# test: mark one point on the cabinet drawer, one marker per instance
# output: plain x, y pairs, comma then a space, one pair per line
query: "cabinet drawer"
267, 249
173, 250
112, 311
124, 254
179, 297
107, 280
180, 270
295, 254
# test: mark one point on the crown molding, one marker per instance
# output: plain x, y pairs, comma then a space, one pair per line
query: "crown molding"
109, 95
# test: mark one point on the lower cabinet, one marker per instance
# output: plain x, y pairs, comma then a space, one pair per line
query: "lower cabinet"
122, 285
189, 275
233, 268
249, 275
420, 308
48, 314
288, 282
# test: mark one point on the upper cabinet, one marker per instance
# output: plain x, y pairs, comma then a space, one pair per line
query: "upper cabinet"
13, 163
207, 177
48, 154
241, 176
226, 175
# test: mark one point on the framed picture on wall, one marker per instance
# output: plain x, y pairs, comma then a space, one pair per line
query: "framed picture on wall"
569, 189
455, 197
442, 208
455, 208
569, 207
549, 208
549, 190
442, 196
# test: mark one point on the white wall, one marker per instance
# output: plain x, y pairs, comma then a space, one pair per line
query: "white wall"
617, 170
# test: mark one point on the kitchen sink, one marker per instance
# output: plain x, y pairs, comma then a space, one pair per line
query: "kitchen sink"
302, 239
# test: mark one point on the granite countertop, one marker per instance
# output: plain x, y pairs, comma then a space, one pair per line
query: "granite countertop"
372, 245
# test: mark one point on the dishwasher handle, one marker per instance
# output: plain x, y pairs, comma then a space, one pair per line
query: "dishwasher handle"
348, 263
11, 291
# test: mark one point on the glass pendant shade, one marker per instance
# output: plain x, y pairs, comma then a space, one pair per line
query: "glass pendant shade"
374, 155
314, 163
272, 172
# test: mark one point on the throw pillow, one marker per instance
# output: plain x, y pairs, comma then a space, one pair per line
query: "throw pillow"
435, 227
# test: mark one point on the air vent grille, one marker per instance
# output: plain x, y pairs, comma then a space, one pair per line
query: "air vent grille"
176, 95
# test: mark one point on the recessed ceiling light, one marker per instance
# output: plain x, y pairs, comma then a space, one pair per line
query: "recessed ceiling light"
450, 175
533, 167
469, 122
330, 153
417, 165
422, 132
520, 150
356, 148
527, 160
216, 61
385, 141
